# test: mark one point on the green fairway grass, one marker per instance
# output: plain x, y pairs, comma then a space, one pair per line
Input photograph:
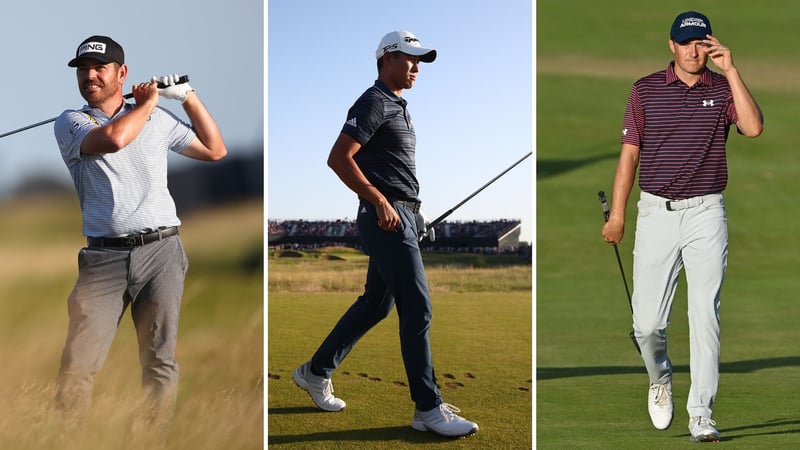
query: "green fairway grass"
220, 344
481, 344
591, 385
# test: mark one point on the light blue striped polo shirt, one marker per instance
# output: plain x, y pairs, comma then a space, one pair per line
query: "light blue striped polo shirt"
125, 192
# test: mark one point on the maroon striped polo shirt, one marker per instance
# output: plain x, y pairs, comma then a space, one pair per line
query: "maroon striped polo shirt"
681, 133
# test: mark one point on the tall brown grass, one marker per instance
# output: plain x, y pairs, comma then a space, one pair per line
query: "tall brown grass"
220, 347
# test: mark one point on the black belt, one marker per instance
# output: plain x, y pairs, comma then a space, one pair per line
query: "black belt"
133, 240
413, 206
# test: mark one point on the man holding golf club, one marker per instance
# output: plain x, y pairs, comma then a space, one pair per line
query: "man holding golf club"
116, 153
675, 130
374, 157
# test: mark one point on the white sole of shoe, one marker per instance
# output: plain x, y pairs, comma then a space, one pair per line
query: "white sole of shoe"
420, 426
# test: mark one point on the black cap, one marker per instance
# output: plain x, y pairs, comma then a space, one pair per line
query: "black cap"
100, 48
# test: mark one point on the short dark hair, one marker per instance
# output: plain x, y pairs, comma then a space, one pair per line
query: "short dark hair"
380, 63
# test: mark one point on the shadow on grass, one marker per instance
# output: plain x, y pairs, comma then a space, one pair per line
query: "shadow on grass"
400, 433
551, 167
755, 430
747, 366
733, 433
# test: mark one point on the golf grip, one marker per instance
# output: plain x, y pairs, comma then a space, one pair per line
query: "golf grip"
181, 80
604, 204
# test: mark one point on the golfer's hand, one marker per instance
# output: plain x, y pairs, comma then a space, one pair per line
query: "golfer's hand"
613, 231
173, 90
719, 54
388, 219
145, 94
422, 226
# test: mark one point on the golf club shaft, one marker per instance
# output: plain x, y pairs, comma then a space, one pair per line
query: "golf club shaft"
604, 204
181, 80
439, 219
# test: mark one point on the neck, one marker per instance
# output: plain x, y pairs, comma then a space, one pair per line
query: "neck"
110, 106
392, 87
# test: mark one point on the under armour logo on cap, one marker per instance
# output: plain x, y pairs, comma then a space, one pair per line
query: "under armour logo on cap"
689, 25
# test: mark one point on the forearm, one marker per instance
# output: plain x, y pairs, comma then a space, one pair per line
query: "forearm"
623, 181
205, 127
751, 120
351, 175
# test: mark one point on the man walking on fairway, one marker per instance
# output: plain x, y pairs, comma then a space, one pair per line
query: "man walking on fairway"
116, 153
374, 157
675, 128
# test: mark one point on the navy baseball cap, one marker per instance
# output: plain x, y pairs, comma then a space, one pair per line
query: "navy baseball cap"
100, 48
690, 25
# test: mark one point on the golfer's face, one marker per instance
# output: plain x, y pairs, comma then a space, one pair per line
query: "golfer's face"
690, 56
404, 69
97, 81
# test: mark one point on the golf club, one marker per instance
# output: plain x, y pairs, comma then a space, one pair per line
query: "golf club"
604, 204
181, 80
438, 220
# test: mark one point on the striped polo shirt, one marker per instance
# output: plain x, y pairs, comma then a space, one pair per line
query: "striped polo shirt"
681, 133
380, 122
124, 192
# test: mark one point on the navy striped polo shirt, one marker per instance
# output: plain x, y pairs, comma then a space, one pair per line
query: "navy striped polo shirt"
379, 121
681, 133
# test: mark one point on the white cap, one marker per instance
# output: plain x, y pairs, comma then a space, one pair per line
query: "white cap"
403, 41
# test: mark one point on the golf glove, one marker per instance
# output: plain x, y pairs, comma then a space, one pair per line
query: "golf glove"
422, 227
173, 90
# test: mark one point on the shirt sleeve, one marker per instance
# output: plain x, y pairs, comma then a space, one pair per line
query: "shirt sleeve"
70, 129
180, 134
364, 118
633, 122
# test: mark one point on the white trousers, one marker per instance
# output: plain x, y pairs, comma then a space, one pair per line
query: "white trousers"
670, 236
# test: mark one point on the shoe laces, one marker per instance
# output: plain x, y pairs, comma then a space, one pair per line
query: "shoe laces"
704, 421
448, 411
327, 387
662, 394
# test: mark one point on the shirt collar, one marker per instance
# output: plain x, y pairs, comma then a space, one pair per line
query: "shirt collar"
672, 77
388, 93
126, 107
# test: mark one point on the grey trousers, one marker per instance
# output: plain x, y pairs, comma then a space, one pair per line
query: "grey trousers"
150, 280
692, 235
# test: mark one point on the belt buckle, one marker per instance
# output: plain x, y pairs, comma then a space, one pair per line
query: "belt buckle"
129, 242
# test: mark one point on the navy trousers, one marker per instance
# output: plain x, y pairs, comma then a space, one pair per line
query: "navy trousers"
395, 276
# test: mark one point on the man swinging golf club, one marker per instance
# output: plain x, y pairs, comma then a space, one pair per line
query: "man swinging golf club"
116, 153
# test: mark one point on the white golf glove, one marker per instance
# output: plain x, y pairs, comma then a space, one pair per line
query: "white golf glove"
173, 90
422, 227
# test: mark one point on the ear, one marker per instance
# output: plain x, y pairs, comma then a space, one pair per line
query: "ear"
123, 73
672, 46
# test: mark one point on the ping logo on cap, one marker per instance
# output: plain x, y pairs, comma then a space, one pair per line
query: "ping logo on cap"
92, 47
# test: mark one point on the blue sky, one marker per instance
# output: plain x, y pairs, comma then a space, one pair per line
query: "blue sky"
220, 45
472, 107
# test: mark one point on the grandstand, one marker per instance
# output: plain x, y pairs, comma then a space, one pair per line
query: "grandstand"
498, 236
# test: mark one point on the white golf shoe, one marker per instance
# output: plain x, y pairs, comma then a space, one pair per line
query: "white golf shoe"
702, 429
443, 420
659, 405
319, 388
